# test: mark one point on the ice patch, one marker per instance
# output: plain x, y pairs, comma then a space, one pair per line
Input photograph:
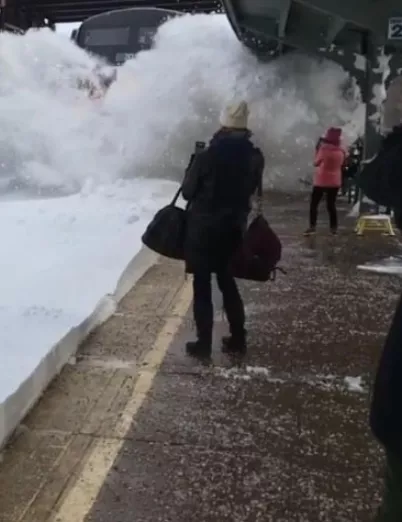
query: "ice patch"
258, 370
247, 373
324, 382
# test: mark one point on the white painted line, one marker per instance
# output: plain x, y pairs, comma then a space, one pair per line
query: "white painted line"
82, 495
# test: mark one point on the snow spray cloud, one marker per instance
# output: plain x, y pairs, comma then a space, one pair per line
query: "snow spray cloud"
164, 100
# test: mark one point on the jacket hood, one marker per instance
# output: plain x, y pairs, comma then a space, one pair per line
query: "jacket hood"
329, 146
229, 134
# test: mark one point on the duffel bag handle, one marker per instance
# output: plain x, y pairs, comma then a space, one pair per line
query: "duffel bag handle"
259, 209
176, 197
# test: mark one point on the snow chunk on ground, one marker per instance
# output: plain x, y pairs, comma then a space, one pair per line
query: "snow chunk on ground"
389, 265
354, 384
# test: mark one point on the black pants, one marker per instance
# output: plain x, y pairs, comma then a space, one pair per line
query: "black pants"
203, 308
316, 197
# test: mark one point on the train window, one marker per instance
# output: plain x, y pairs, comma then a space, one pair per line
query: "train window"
119, 35
109, 36
146, 35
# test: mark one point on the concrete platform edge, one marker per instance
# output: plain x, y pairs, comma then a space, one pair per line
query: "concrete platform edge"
14, 409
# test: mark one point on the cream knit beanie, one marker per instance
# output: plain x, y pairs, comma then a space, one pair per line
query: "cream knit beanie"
235, 116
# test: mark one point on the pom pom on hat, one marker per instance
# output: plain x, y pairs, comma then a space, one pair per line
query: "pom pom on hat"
235, 116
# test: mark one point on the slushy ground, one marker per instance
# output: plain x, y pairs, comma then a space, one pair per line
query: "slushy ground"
133, 430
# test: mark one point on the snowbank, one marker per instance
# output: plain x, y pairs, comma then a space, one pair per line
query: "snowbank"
65, 265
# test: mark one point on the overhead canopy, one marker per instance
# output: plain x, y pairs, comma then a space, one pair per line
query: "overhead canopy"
266, 26
59, 11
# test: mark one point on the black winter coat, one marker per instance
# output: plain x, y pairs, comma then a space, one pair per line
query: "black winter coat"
218, 184
381, 181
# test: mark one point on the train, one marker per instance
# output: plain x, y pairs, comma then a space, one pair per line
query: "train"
118, 36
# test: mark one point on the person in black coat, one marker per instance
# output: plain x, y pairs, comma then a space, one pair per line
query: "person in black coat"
218, 184
381, 181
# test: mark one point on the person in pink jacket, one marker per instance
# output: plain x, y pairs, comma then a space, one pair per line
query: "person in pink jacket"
329, 159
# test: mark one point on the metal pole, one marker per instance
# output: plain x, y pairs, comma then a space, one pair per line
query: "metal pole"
372, 136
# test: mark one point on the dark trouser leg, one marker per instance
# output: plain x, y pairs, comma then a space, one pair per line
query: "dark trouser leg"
391, 508
202, 306
344, 184
232, 303
332, 194
316, 197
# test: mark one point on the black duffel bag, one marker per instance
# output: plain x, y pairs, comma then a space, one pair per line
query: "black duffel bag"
165, 234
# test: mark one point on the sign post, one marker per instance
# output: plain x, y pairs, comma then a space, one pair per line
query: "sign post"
372, 131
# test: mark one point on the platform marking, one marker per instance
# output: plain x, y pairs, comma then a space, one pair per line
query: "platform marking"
81, 497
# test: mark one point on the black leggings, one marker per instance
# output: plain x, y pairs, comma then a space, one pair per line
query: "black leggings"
316, 197
203, 308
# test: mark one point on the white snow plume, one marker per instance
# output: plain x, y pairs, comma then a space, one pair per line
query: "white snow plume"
164, 100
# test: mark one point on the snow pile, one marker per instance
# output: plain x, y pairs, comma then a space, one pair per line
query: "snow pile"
59, 258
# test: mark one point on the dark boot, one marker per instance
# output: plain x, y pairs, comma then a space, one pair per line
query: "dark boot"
233, 305
234, 344
199, 349
203, 316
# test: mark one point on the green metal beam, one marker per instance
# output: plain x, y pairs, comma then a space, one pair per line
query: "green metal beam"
365, 13
283, 19
335, 27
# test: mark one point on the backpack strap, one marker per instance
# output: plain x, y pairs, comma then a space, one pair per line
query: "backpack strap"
259, 196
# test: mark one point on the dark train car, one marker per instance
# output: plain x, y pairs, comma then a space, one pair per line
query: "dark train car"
118, 35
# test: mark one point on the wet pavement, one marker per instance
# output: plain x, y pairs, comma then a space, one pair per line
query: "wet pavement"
280, 435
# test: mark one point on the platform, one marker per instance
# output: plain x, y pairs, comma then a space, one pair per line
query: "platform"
135, 431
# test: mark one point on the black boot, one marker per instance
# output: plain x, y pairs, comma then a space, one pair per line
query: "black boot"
234, 308
234, 344
203, 316
199, 349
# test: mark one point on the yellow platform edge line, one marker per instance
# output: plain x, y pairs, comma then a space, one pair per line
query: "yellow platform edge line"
81, 496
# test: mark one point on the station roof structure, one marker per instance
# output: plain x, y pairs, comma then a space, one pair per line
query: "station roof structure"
60, 11
310, 25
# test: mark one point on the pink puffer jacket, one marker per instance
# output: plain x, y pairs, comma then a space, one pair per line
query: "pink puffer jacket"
328, 162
